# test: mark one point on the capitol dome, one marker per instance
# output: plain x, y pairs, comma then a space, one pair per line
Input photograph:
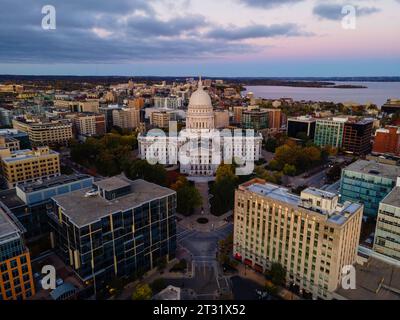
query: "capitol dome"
200, 113
200, 97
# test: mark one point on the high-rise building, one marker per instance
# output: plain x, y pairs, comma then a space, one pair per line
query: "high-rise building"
16, 280
274, 119
30, 201
255, 119
357, 136
329, 132
312, 236
368, 182
30, 165
296, 127
5, 117
126, 118
46, 133
120, 228
90, 124
237, 114
387, 141
387, 232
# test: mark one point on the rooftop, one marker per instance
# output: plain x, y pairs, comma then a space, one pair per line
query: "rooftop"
50, 183
7, 226
376, 280
339, 216
28, 154
10, 199
374, 168
112, 183
393, 198
93, 208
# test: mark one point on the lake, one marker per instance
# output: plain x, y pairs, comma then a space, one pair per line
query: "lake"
377, 92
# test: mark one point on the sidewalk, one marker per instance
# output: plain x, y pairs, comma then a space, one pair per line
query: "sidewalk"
261, 280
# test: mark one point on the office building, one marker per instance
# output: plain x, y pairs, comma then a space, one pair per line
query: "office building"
368, 182
16, 280
299, 126
30, 165
387, 232
312, 236
237, 114
387, 141
357, 136
255, 119
120, 228
329, 132
52, 133
30, 201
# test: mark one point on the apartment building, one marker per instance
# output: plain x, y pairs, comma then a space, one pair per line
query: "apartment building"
90, 124
160, 119
46, 133
120, 228
368, 182
16, 280
329, 132
221, 120
312, 236
126, 118
30, 165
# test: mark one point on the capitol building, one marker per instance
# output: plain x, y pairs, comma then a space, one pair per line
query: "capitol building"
199, 149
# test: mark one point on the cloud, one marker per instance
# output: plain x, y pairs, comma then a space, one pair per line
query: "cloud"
334, 11
255, 31
267, 4
119, 31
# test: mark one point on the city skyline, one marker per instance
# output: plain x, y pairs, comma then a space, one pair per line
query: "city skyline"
231, 38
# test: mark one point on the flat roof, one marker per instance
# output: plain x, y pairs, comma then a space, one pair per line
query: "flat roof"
7, 226
83, 210
52, 182
376, 280
393, 198
112, 183
10, 199
375, 168
339, 216
320, 193
27, 154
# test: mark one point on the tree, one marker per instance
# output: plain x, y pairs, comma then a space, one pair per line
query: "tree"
141, 169
223, 190
278, 274
188, 197
289, 170
142, 292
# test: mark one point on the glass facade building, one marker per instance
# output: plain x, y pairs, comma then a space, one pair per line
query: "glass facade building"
329, 132
368, 182
121, 228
